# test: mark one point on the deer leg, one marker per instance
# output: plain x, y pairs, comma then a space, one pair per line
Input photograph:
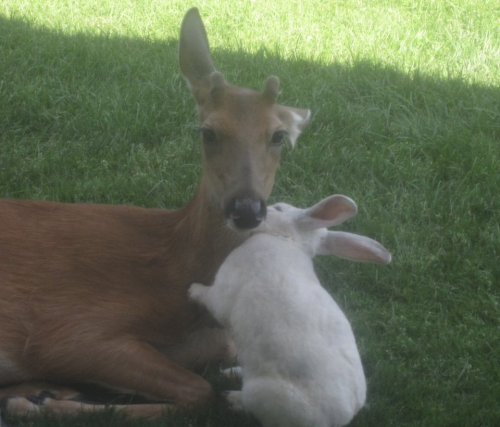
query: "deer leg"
31, 406
32, 398
205, 345
134, 365
26, 397
38, 388
124, 364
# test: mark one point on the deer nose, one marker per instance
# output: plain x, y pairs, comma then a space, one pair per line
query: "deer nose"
246, 213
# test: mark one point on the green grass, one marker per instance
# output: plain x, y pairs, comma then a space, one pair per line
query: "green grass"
406, 120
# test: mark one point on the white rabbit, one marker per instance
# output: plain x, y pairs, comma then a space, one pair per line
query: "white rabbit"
300, 363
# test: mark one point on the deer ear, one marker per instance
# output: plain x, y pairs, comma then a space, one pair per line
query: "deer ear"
271, 89
194, 53
295, 120
353, 247
331, 211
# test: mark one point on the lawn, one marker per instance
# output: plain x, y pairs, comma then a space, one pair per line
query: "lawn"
405, 101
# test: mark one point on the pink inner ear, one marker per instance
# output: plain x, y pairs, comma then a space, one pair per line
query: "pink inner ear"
332, 209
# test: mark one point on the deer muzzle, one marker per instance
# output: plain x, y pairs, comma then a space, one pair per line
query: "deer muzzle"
246, 213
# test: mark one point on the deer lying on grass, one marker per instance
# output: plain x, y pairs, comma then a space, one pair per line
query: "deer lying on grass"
98, 294
299, 359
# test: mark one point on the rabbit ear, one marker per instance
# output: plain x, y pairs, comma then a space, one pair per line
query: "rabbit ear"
353, 247
329, 212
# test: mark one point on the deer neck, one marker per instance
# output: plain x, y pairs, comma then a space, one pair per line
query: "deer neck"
206, 237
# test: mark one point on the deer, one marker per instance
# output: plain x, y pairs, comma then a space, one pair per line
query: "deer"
98, 294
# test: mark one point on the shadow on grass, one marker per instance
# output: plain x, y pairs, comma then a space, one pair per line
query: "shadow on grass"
87, 86
110, 120
98, 95
89, 97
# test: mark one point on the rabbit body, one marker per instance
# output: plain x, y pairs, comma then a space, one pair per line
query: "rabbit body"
300, 363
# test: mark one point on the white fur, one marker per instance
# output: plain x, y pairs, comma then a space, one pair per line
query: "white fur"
301, 365
298, 123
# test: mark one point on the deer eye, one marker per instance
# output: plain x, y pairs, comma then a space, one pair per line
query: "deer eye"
208, 136
278, 137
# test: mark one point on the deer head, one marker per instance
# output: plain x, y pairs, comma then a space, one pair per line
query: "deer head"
242, 131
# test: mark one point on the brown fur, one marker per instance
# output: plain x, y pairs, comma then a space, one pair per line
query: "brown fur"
98, 294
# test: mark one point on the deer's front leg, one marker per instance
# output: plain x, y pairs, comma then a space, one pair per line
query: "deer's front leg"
125, 364
133, 365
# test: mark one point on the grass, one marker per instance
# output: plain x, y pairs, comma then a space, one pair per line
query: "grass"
406, 120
